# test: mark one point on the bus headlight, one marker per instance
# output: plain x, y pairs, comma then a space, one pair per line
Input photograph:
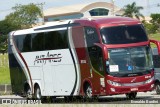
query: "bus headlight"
149, 80
113, 83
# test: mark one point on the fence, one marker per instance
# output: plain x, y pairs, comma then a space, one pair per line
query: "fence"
4, 60
4, 74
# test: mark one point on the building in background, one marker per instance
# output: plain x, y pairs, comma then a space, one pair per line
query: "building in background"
82, 10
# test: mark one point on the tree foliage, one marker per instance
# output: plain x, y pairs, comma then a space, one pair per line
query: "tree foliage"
24, 16
154, 25
3, 44
150, 28
132, 10
5, 28
155, 20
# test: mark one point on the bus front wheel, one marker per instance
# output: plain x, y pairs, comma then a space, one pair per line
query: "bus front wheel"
157, 88
88, 91
131, 95
37, 93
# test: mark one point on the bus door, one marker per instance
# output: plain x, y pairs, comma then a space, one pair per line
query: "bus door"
95, 56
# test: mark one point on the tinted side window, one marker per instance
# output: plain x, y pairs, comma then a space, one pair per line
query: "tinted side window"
56, 40
91, 36
27, 43
42, 41
19, 41
38, 42
62, 39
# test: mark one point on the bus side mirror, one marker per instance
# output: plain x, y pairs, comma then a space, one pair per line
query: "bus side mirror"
103, 48
157, 43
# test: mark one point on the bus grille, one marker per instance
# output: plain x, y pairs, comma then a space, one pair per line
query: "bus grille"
133, 84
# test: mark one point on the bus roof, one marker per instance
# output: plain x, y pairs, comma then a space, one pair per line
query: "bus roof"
111, 21
97, 21
48, 24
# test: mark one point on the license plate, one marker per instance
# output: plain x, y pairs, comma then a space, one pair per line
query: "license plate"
134, 89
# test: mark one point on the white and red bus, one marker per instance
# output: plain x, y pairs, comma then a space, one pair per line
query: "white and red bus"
82, 57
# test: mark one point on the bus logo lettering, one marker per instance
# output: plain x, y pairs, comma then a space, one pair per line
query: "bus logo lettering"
47, 58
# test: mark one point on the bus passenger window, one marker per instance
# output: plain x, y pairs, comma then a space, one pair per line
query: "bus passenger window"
56, 40
38, 42
27, 43
19, 42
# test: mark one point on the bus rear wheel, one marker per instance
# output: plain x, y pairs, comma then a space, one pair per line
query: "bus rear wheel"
131, 95
37, 93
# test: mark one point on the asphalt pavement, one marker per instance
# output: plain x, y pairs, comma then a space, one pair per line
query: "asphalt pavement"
142, 98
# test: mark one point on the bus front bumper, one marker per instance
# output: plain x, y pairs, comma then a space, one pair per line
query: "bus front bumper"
113, 90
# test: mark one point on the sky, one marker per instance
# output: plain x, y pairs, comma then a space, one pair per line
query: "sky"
150, 6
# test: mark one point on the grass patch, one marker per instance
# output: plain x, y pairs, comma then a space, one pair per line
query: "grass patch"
4, 70
155, 36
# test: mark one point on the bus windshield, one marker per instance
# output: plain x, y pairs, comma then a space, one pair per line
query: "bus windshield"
130, 60
123, 34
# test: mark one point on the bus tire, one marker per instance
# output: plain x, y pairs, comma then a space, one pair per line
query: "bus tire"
88, 91
27, 92
68, 98
53, 99
157, 88
37, 92
131, 95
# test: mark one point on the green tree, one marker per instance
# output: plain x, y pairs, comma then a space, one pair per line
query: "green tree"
3, 44
24, 16
132, 10
5, 28
155, 20
150, 28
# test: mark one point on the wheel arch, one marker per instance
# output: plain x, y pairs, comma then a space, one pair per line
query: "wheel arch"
157, 81
36, 85
26, 86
